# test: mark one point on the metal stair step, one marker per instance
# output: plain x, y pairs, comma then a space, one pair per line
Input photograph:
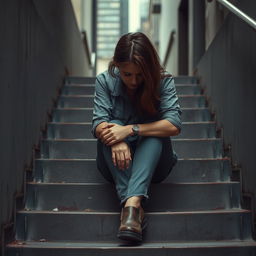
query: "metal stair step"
211, 248
85, 115
83, 130
86, 101
78, 148
79, 80
89, 80
85, 170
78, 89
102, 196
162, 227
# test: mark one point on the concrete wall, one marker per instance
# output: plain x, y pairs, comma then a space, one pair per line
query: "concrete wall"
83, 13
40, 44
227, 70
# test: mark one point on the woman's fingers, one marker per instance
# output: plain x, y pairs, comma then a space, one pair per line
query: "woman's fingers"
121, 160
127, 159
114, 158
121, 155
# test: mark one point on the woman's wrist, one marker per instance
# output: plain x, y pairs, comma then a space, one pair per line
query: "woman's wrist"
129, 130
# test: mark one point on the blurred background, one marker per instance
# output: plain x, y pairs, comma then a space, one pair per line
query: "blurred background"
165, 22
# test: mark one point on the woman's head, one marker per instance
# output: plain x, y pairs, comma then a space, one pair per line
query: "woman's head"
139, 66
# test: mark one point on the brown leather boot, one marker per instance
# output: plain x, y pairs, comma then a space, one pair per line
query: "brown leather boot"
131, 224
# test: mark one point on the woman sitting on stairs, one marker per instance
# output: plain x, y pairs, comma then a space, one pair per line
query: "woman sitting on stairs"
136, 111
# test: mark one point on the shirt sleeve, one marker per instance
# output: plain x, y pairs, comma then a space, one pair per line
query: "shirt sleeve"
102, 103
169, 106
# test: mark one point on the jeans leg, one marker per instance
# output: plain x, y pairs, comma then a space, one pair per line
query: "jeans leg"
166, 162
147, 154
111, 172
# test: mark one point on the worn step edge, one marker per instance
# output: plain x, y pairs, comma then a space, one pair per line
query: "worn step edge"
92, 96
101, 183
101, 245
218, 211
176, 139
93, 159
93, 85
73, 108
89, 123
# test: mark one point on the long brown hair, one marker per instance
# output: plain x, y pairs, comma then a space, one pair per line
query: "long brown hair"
137, 48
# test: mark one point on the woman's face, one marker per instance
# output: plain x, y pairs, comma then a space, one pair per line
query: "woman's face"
131, 75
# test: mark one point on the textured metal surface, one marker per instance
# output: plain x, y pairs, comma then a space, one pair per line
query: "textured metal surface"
228, 76
78, 149
79, 89
85, 80
217, 248
83, 130
168, 226
70, 170
86, 101
85, 115
102, 196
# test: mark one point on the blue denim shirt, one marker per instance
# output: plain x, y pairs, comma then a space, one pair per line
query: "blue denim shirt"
111, 104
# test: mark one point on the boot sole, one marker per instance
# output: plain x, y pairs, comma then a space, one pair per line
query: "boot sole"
129, 236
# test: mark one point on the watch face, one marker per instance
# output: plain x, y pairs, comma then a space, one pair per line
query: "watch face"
135, 129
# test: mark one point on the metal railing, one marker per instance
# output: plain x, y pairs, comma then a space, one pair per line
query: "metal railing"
238, 13
168, 51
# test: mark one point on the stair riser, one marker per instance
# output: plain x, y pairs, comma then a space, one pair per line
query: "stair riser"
78, 90
85, 149
102, 197
89, 90
85, 115
80, 80
86, 171
91, 80
87, 102
161, 227
83, 131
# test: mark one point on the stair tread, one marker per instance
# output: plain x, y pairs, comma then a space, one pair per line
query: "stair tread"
102, 245
217, 211
176, 139
92, 96
108, 184
93, 85
76, 108
93, 159
89, 123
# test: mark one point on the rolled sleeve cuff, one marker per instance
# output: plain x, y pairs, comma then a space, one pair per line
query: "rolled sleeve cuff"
95, 124
174, 120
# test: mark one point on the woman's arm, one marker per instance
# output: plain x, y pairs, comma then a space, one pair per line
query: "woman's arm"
114, 133
161, 128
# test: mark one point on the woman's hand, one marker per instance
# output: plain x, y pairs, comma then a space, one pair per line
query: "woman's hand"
113, 133
121, 155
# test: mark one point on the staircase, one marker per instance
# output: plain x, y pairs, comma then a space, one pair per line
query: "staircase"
71, 210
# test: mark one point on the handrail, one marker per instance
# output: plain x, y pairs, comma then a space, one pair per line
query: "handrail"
171, 40
239, 13
86, 46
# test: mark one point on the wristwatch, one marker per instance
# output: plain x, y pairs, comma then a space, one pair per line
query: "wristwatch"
135, 130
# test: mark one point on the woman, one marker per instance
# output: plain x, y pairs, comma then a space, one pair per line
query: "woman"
136, 111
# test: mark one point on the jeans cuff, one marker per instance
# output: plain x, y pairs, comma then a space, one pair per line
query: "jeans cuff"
145, 197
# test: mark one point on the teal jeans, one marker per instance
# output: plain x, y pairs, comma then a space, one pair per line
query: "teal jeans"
152, 161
